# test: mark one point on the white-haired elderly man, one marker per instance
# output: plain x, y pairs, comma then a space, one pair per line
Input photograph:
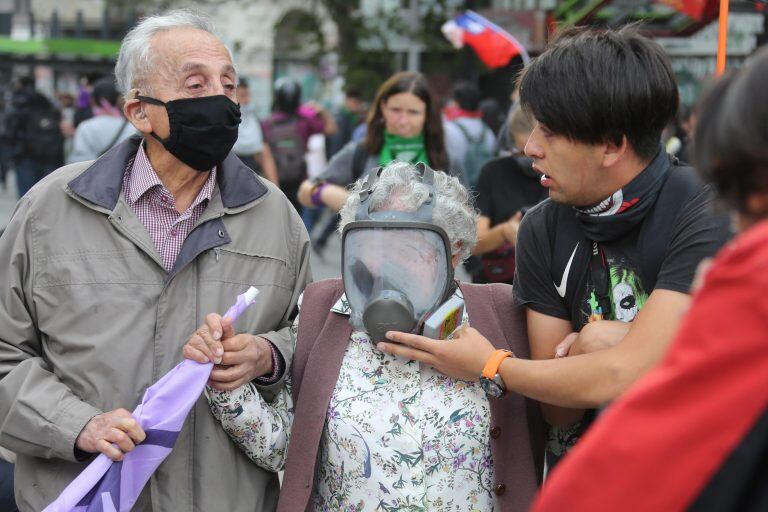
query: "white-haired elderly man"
109, 267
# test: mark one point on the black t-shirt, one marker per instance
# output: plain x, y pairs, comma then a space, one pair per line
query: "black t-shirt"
698, 233
503, 188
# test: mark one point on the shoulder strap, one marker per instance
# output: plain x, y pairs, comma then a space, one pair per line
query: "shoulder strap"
359, 158
116, 137
318, 299
466, 134
680, 186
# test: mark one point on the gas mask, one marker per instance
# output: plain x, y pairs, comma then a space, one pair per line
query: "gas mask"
397, 267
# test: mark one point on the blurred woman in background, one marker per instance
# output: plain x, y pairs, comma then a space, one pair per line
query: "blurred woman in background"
403, 124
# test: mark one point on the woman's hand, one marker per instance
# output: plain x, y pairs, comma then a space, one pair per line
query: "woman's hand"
461, 358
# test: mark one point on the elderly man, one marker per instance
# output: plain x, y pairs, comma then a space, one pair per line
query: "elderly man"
110, 265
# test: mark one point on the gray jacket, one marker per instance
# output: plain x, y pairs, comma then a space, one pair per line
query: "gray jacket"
89, 319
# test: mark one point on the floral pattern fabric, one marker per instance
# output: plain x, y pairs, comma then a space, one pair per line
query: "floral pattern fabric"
398, 435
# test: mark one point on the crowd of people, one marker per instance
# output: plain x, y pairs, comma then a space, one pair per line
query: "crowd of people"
600, 359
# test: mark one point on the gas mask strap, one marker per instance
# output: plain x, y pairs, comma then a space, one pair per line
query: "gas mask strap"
424, 213
365, 194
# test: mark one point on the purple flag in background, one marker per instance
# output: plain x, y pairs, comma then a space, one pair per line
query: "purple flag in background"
114, 486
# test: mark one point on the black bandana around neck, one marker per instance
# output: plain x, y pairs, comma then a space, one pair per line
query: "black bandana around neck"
618, 214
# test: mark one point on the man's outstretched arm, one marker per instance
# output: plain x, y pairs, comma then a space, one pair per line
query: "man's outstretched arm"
583, 381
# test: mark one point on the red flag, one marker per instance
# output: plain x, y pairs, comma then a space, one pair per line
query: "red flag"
495, 46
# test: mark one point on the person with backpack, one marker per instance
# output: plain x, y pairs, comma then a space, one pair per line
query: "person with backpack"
403, 124
35, 137
467, 137
108, 126
287, 131
605, 265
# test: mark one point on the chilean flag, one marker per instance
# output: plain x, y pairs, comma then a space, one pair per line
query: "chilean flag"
495, 46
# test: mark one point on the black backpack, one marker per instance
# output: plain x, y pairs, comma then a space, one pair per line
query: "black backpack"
41, 136
288, 149
654, 237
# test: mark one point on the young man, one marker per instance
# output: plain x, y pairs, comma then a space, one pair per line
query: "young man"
691, 435
605, 265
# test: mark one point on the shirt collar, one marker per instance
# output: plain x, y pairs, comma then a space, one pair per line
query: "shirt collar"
143, 178
101, 182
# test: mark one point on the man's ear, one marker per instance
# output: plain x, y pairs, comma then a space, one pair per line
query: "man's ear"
613, 152
137, 116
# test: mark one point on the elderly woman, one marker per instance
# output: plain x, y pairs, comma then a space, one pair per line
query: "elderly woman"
371, 431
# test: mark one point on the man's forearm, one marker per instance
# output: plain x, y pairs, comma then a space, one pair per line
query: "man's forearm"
578, 382
594, 379
41, 417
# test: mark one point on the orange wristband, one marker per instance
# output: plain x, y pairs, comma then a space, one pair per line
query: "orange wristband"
492, 365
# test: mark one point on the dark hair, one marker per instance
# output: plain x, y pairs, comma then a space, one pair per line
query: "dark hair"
416, 84
353, 92
105, 89
467, 95
491, 114
242, 82
596, 85
287, 95
731, 137
27, 82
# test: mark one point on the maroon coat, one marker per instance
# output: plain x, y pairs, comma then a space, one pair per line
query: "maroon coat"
517, 429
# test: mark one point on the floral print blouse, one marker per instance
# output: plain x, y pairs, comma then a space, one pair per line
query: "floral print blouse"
398, 435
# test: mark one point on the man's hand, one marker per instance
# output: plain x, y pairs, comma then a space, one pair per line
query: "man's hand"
461, 358
239, 358
245, 357
205, 344
593, 337
117, 427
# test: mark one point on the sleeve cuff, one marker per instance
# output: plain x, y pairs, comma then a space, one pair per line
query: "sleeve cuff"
70, 423
278, 368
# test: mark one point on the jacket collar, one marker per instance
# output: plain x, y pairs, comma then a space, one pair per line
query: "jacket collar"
101, 183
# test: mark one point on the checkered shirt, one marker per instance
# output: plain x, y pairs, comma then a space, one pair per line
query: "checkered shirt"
155, 207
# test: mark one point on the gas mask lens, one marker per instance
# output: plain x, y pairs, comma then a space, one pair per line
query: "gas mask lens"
393, 277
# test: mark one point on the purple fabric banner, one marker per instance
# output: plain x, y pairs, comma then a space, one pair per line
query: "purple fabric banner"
107, 486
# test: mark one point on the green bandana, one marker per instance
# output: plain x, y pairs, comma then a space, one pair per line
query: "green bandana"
404, 149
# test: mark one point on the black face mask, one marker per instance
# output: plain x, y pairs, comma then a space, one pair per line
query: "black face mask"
203, 130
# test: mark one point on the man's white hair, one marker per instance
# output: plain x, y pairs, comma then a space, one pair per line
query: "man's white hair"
136, 60
399, 188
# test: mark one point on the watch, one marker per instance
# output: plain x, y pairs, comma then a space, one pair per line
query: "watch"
490, 380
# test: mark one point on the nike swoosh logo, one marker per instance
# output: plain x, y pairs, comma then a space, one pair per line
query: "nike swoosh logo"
561, 289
